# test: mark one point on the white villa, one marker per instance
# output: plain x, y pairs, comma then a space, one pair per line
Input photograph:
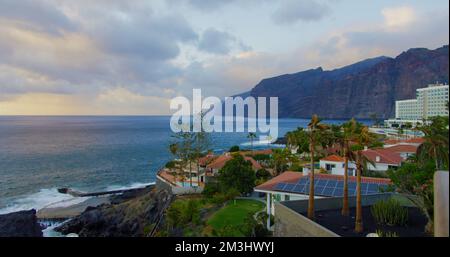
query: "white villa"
295, 186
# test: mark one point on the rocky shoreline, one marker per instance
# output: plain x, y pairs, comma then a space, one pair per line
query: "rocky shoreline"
131, 213
20, 224
125, 216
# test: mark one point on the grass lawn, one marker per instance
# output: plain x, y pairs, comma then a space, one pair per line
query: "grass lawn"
234, 214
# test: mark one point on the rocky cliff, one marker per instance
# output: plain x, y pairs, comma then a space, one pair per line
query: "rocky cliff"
357, 90
128, 217
20, 224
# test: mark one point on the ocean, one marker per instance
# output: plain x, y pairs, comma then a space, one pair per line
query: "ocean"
39, 154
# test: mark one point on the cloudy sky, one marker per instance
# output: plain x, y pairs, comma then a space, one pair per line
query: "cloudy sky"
115, 57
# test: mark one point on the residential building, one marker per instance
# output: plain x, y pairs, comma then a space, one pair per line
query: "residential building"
335, 164
382, 159
220, 161
405, 150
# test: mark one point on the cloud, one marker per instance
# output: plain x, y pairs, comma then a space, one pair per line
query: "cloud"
37, 15
209, 5
114, 46
293, 11
153, 38
118, 57
219, 42
397, 17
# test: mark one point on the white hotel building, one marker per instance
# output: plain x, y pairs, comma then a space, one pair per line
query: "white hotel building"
431, 101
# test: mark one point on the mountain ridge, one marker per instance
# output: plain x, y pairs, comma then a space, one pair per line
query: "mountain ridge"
356, 90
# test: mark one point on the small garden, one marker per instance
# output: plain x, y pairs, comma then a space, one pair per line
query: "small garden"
234, 219
217, 212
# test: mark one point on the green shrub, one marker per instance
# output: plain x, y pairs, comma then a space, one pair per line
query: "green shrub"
210, 189
390, 212
296, 167
261, 157
170, 165
262, 174
218, 198
382, 233
234, 148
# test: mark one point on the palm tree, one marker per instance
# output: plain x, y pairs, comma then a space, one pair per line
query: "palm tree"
348, 135
251, 136
363, 138
436, 142
315, 129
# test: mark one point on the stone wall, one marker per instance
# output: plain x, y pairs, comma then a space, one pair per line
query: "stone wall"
289, 223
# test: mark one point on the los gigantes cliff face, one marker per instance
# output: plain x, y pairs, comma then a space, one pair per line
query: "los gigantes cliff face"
357, 90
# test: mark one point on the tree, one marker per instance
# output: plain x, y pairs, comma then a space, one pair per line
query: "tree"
349, 132
234, 148
298, 138
251, 136
262, 174
436, 143
315, 129
182, 148
237, 173
200, 145
363, 138
415, 181
280, 159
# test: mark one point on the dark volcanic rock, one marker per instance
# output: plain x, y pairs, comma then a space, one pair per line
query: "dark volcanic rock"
20, 224
127, 218
370, 86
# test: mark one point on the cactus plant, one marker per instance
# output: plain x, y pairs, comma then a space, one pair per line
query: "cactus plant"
390, 212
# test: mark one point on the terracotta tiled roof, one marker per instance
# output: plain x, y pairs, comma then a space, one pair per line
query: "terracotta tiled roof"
403, 148
286, 177
165, 174
333, 158
205, 160
293, 177
223, 159
253, 153
415, 141
385, 156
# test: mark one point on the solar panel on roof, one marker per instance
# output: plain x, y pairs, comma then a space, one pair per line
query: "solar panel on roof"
280, 186
364, 186
328, 191
351, 192
299, 189
332, 183
289, 187
301, 182
372, 187
318, 190
338, 192
331, 187
321, 182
